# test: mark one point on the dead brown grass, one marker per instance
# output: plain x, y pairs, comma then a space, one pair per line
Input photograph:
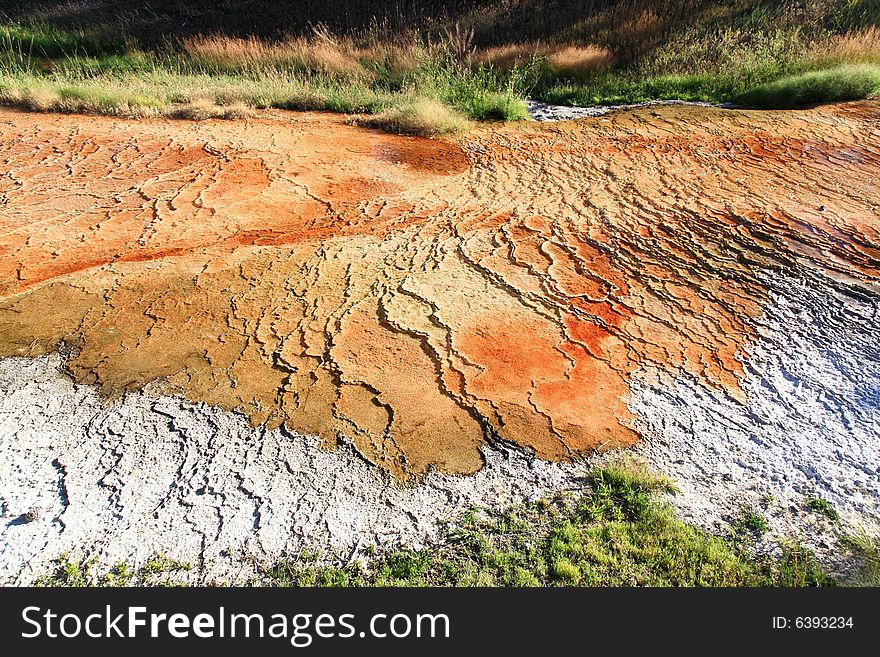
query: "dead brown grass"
573, 60
397, 59
633, 29
856, 46
320, 53
646, 22
563, 60
507, 56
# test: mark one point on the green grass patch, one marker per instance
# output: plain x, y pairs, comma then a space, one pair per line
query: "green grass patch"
86, 97
855, 82
81, 573
103, 100
32, 42
752, 521
763, 89
822, 507
481, 94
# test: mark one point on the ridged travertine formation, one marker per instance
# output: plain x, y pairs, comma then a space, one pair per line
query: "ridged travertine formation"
424, 296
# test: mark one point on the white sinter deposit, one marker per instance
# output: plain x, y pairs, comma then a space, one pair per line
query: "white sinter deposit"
811, 426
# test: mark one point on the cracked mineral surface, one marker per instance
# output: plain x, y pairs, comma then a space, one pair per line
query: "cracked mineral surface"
564, 288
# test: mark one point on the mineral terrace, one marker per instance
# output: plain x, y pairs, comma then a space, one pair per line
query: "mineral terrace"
701, 284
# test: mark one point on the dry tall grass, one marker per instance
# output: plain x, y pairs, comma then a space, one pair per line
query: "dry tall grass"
320, 53
571, 61
642, 24
562, 60
507, 56
337, 57
477, 58
855, 46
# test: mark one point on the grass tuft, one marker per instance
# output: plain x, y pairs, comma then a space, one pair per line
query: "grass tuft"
752, 521
866, 549
201, 109
75, 574
419, 117
823, 508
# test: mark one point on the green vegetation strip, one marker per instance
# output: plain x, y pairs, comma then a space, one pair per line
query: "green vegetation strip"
752, 53
76, 574
617, 530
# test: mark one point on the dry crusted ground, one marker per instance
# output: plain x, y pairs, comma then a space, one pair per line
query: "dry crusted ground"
542, 285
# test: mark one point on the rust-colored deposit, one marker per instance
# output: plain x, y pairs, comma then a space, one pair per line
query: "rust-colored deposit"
423, 296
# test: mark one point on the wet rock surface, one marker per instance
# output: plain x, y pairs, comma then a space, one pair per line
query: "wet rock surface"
546, 112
